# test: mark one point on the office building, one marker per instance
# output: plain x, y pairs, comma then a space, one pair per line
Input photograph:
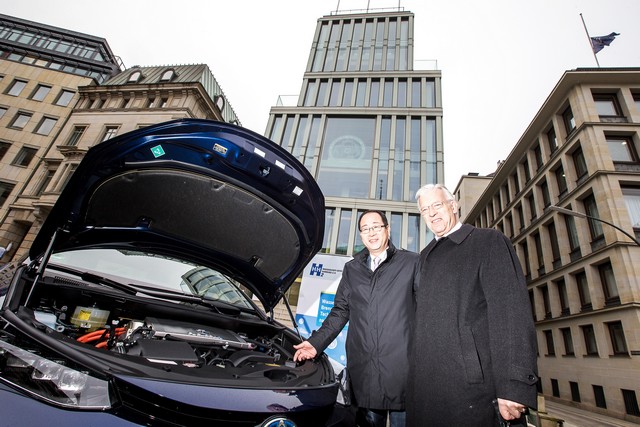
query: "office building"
579, 153
62, 92
367, 123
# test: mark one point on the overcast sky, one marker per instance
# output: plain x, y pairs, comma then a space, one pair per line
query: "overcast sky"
499, 59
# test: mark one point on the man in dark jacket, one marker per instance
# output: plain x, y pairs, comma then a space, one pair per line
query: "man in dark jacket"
473, 348
375, 296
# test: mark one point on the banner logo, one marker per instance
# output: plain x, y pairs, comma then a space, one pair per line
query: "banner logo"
316, 269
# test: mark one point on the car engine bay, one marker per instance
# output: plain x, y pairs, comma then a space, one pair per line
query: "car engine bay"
181, 338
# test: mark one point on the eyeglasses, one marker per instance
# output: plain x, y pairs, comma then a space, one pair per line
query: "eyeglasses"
375, 228
435, 206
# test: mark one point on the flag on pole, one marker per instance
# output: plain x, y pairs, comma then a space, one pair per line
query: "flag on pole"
598, 43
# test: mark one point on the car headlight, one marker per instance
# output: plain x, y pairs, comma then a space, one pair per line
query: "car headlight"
52, 381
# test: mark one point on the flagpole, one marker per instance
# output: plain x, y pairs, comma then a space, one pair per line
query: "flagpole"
590, 42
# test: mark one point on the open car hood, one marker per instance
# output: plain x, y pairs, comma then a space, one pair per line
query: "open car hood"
201, 190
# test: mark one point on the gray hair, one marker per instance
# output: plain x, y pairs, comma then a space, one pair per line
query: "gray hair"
422, 190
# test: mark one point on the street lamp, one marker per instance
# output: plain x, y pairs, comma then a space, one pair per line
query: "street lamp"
581, 215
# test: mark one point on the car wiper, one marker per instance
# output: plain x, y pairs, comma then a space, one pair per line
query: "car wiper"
139, 289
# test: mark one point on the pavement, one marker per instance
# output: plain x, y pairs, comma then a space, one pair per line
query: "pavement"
574, 417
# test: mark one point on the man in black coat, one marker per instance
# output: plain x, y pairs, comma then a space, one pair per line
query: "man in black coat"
375, 296
473, 351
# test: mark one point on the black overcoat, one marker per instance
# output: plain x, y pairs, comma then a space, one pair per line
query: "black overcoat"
379, 308
474, 337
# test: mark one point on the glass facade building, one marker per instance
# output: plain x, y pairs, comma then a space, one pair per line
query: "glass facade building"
367, 124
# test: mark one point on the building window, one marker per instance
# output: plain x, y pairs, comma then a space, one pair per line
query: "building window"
607, 105
75, 136
334, 96
3, 110
591, 209
532, 206
525, 259
167, 76
632, 201
527, 172
598, 394
630, 402
20, 120
561, 180
544, 290
401, 95
16, 87
24, 156
361, 92
552, 140
322, 93
135, 77
5, 191
344, 226
555, 390
621, 149
516, 183
568, 341
68, 173
579, 163
413, 233
618, 342
329, 224
537, 152
347, 95
583, 291
551, 351
569, 120
64, 98
46, 126
608, 281
40, 93
572, 233
416, 91
563, 297
109, 132
544, 189
520, 217
4, 147
590, 344
387, 95
347, 157
539, 253
509, 225
44, 182
310, 93
575, 391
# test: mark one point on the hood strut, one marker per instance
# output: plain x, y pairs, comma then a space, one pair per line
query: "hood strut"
43, 264
293, 319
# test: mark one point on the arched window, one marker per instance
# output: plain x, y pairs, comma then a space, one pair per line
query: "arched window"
135, 77
168, 75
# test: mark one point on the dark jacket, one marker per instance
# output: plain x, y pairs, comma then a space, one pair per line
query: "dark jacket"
474, 338
379, 308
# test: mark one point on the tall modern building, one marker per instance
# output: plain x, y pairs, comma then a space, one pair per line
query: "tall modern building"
367, 123
580, 153
62, 92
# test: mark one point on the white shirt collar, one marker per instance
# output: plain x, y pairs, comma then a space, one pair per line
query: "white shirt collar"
453, 230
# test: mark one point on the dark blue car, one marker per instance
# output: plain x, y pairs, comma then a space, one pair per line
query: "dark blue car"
139, 302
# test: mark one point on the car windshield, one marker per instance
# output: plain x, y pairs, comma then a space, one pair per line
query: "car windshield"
159, 272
